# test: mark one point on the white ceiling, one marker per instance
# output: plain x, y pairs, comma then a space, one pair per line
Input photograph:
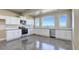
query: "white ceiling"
20, 11
31, 12
17, 10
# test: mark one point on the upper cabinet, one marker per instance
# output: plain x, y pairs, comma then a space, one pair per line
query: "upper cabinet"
13, 20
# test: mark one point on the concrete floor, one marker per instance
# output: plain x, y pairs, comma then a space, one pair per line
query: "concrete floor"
35, 42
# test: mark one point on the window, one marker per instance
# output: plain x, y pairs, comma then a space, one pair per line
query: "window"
48, 22
37, 22
63, 21
30, 23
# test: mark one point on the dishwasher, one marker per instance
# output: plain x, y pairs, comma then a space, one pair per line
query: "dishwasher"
52, 33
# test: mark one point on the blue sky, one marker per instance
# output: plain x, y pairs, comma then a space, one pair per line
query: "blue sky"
48, 20
63, 20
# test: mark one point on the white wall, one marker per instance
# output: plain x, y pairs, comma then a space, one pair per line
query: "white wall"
75, 25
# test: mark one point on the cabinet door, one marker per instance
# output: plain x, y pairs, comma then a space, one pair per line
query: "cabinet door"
57, 33
11, 20
9, 35
17, 33
13, 34
15, 21
61, 34
69, 35
8, 21
64, 34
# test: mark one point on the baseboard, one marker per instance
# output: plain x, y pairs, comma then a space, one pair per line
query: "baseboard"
51, 37
63, 39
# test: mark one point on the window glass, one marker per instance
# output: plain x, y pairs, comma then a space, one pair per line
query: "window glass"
37, 22
48, 22
63, 21
30, 23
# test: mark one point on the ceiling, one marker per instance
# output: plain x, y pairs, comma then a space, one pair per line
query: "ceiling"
21, 11
30, 12
17, 10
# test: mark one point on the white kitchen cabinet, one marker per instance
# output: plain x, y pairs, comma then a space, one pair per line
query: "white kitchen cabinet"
69, 35
13, 34
43, 32
63, 34
9, 35
16, 21
12, 20
57, 34
30, 31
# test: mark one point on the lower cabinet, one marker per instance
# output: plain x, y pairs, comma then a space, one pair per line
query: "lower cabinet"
43, 32
63, 34
69, 35
12, 34
60, 34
